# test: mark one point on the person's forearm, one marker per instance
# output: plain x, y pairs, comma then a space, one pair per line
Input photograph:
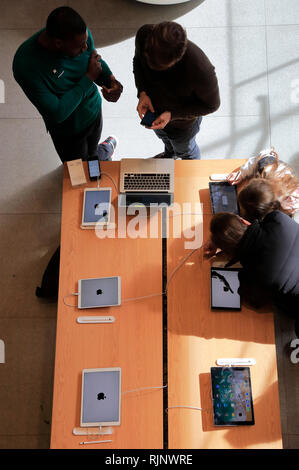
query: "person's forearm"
140, 80
198, 107
205, 98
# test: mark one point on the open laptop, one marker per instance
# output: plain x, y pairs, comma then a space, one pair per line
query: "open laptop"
146, 181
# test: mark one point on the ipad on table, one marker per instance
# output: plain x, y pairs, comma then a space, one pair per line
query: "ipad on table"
101, 397
96, 207
225, 285
232, 396
223, 197
99, 292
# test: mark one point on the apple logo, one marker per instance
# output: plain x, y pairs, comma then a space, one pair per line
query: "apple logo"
99, 291
101, 396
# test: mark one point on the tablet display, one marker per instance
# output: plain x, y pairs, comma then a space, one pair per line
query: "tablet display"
232, 396
223, 197
96, 207
101, 397
224, 288
99, 292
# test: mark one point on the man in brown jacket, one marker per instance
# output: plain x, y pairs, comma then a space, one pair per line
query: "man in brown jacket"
176, 80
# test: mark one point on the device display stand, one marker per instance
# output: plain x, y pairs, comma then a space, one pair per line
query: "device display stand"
100, 431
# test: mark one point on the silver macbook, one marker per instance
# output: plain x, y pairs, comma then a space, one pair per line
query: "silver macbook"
101, 397
147, 175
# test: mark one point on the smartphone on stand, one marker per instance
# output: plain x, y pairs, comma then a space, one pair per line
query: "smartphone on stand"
94, 170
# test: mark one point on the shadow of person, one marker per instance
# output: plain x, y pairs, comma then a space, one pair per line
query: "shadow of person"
266, 429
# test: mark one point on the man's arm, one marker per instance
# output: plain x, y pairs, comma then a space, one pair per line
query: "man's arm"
205, 96
51, 107
140, 79
56, 109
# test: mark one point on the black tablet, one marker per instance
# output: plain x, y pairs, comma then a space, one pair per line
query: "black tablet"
232, 396
223, 197
225, 285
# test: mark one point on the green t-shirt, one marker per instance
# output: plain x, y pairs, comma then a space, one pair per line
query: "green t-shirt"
65, 97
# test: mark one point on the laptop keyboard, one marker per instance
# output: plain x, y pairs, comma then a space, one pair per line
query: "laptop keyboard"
146, 181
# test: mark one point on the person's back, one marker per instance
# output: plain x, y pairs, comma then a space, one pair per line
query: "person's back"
268, 251
269, 254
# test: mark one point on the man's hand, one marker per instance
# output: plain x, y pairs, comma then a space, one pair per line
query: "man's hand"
94, 68
144, 104
113, 93
161, 120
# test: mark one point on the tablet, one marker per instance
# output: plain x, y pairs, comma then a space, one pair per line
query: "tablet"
96, 207
99, 292
225, 285
232, 396
101, 397
223, 197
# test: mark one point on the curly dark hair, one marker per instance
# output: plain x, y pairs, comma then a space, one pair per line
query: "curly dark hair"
65, 23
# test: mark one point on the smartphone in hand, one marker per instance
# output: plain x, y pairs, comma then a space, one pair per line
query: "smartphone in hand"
148, 119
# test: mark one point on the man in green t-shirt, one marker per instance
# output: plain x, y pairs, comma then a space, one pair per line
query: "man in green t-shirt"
59, 69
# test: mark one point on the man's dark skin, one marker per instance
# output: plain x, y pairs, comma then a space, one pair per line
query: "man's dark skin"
73, 47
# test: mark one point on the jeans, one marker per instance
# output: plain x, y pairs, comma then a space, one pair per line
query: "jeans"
83, 145
181, 143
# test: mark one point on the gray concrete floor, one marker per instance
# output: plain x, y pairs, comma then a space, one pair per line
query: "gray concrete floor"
254, 47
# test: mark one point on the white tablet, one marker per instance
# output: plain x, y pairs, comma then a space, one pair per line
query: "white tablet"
101, 397
96, 207
99, 292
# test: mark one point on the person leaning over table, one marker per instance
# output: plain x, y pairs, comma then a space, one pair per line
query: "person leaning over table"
175, 79
261, 195
58, 69
268, 251
266, 165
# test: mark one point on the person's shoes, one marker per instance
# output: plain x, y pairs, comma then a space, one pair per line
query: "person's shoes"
111, 142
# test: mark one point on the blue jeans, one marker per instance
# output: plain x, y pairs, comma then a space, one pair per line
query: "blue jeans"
181, 143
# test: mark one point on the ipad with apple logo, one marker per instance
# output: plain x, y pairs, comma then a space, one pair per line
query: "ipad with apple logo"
101, 397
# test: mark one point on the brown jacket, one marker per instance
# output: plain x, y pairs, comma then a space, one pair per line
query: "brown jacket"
188, 90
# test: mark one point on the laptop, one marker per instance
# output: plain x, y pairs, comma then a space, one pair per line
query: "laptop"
146, 181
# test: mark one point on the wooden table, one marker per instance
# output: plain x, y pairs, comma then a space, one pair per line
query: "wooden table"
194, 339
198, 336
133, 342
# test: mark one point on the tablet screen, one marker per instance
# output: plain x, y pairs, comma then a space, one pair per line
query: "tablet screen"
232, 396
99, 292
224, 288
223, 197
96, 206
100, 403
